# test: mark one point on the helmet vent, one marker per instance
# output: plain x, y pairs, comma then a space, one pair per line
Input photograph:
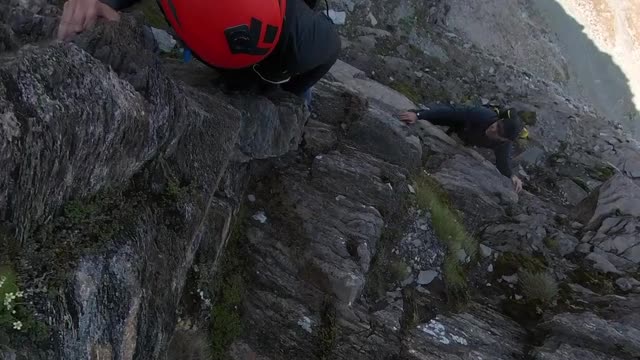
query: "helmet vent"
243, 39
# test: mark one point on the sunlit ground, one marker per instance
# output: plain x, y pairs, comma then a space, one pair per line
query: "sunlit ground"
614, 27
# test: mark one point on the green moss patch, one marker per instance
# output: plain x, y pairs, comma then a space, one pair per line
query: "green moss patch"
449, 229
229, 291
602, 172
407, 90
509, 263
595, 281
16, 316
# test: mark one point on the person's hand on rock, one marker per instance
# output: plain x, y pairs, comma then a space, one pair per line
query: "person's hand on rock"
80, 15
517, 183
408, 117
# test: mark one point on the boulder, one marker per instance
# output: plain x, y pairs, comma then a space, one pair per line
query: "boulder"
479, 333
618, 196
381, 134
613, 214
356, 175
593, 334
355, 79
476, 188
572, 192
319, 137
568, 352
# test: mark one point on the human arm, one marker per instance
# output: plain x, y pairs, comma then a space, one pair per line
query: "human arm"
442, 115
503, 163
80, 15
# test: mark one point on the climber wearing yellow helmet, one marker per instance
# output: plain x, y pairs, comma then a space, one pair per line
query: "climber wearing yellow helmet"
477, 126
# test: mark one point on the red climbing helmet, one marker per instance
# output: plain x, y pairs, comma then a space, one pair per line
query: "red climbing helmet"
228, 34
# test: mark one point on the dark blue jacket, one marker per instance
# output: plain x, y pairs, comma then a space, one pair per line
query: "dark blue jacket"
470, 123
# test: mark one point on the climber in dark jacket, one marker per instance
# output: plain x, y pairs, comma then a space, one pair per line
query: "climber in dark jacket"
282, 42
477, 126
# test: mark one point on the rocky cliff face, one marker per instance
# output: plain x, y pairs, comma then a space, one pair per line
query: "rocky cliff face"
148, 215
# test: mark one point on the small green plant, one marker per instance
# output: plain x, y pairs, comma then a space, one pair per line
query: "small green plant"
230, 290
581, 183
538, 287
95, 216
407, 90
226, 317
551, 243
602, 172
399, 270
411, 312
327, 332
455, 281
14, 313
407, 24
11, 298
594, 280
449, 229
509, 263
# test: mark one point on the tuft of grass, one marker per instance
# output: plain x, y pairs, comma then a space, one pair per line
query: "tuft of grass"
411, 312
407, 90
509, 263
407, 24
538, 287
449, 229
97, 216
455, 281
398, 270
226, 318
602, 172
230, 289
594, 280
581, 183
446, 222
551, 243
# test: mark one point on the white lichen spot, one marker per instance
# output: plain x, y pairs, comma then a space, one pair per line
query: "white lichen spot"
251, 198
458, 339
260, 216
340, 197
305, 323
438, 331
411, 189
